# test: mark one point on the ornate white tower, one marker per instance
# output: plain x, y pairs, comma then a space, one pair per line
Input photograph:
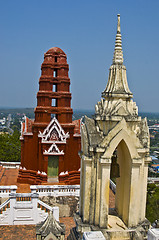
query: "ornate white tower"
118, 129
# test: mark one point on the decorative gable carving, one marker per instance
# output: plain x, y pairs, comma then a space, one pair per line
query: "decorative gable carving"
54, 133
53, 150
116, 107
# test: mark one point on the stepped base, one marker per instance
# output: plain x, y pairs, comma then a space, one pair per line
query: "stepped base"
31, 177
114, 233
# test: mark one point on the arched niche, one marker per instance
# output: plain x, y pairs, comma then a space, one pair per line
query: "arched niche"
123, 183
127, 200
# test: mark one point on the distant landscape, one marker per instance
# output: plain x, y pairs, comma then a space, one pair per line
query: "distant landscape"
10, 146
29, 112
11, 118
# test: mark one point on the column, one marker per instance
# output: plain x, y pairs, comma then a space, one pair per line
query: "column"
86, 187
104, 195
81, 187
135, 188
143, 193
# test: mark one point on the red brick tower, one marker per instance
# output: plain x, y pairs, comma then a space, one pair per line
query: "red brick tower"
54, 96
51, 142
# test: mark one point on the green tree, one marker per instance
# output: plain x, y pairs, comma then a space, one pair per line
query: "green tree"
10, 147
152, 207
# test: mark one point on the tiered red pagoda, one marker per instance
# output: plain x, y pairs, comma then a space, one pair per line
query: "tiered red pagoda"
50, 143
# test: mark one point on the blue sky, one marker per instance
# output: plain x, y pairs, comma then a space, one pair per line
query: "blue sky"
85, 30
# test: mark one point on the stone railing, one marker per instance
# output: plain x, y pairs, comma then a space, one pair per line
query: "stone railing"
112, 186
10, 164
4, 206
25, 208
47, 208
56, 190
44, 190
6, 190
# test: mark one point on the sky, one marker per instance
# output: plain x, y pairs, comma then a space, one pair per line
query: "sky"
85, 30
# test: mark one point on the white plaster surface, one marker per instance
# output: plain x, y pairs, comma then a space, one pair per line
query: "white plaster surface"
93, 235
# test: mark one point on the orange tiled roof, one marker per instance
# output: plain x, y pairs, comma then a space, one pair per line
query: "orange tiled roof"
69, 223
23, 232
8, 176
18, 232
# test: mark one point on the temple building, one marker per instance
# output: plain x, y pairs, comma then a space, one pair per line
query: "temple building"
50, 143
114, 144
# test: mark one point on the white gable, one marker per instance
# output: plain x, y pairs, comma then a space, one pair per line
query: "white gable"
54, 133
53, 150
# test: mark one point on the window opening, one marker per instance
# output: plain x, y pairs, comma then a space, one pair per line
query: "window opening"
53, 102
55, 59
53, 115
55, 73
54, 88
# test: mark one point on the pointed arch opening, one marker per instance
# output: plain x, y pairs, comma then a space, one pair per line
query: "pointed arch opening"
119, 203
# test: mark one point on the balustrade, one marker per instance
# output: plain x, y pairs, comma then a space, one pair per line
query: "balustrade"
10, 164
56, 190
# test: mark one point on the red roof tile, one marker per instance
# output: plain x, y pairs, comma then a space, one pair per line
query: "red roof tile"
18, 232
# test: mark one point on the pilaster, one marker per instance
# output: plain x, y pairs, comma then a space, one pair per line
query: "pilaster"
104, 194
87, 162
135, 188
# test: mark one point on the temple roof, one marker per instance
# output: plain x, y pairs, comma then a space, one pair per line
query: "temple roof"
55, 50
50, 225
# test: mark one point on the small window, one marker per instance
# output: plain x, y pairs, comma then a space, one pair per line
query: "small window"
53, 102
53, 115
55, 59
54, 88
55, 73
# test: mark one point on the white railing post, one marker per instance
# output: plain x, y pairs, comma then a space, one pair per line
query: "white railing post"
12, 197
33, 188
34, 200
12, 206
13, 188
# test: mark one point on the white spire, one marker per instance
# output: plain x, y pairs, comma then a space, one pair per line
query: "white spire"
117, 96
117, 85
118, 53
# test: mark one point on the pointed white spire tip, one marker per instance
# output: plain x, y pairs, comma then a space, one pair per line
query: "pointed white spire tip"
118, 53
118, 25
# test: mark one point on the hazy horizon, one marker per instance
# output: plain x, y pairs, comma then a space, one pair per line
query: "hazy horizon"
81, 110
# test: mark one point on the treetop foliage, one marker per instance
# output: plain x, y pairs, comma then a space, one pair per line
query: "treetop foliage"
10, 147
152, 207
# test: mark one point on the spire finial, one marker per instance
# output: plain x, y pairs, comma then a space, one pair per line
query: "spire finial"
118, 53
117, 86
118, 27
